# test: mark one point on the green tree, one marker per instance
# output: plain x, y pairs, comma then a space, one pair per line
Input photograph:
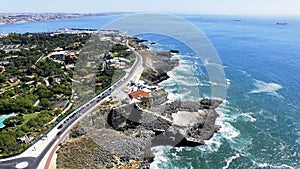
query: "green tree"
13, 121
44, 92
45, 103
32, 123
2, 78
8, 142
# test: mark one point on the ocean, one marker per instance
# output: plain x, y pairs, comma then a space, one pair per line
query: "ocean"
259, 119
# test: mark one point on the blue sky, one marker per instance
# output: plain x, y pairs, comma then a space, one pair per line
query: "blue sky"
241, 7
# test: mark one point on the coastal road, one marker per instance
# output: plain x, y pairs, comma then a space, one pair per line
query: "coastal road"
133, 74
40, 153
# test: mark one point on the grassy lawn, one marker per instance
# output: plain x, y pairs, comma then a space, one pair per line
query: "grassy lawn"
27, 117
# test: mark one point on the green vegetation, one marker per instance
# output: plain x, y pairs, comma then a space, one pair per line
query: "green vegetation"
106, 78
21, 104
37, 87
46, 41
47, 68
145, 74
30, 125
27, 117
33, 90
144, 103
13, 121
40, 120
8, 143
120, 50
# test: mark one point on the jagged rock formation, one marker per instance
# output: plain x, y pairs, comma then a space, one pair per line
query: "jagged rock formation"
157, 64
189, 122
124, 134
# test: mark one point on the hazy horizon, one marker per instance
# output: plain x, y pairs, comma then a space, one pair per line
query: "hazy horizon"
213, 7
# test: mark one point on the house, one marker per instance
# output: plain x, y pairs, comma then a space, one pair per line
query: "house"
58, 49
139, 94
25, 139
76, 43
23, 70
105, 38
38, 84
2, 69
98, 84
58, 55
56, 80
12, 79
124, 60
4, 62
72, 55
70, 66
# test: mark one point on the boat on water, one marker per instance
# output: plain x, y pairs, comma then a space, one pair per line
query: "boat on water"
281, 23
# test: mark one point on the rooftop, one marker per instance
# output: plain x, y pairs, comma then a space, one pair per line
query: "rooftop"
139, 94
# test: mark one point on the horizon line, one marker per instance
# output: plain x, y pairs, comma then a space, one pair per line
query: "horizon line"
172, 13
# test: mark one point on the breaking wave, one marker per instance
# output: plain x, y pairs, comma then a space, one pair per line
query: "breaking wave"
230, 159
263, 87
266, 165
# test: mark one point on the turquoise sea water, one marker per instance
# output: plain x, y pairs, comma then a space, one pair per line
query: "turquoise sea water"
260, 119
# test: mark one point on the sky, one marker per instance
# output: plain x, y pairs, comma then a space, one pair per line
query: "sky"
227, 7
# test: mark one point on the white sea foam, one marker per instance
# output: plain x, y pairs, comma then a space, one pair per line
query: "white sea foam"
181, 71
227, 131
298, 139
211, 145
263, 87
183, 83
230, 159
247, 117
159, 157
266, 165
227, 116
184, 77
173, 97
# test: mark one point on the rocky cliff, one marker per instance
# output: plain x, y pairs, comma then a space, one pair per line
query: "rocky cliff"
125, 132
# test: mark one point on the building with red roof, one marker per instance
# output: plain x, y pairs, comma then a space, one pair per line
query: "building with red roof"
139, 94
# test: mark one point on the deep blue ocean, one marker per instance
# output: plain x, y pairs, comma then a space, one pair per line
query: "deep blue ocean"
260, 117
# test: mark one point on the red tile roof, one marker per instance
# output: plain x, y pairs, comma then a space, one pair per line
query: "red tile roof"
139, 94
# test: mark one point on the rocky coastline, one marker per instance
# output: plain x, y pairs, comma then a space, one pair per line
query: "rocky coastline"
123, 132
156, 65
